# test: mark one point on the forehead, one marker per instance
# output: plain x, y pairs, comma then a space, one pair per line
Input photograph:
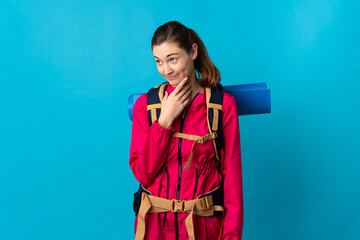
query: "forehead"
166, 48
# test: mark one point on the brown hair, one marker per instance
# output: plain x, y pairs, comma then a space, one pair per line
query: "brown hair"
173, 31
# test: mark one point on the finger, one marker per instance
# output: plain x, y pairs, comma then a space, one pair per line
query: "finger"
186, 102
187, 84
165, 96
183, 86
185, 79
185, 90
180, 85
185, 96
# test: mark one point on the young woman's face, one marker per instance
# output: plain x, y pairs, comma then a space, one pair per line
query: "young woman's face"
173, 63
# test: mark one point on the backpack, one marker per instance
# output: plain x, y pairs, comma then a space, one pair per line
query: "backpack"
214, 101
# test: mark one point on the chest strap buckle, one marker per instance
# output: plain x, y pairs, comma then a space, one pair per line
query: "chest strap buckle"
178, 206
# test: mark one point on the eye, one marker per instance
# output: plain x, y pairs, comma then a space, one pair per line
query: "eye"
158, 61
173, 59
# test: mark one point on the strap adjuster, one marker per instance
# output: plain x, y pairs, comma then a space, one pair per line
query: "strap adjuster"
205, 203
178, 206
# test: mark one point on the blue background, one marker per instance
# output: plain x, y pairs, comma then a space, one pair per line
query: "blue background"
68, 67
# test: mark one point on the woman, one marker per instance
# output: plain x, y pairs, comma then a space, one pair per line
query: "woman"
158, 157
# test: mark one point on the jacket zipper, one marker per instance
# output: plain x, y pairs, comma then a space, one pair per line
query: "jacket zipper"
180, 168
179, 179
196, 174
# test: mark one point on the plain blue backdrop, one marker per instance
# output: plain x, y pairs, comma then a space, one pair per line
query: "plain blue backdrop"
68, 67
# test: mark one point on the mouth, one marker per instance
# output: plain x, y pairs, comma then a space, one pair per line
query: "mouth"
172, 77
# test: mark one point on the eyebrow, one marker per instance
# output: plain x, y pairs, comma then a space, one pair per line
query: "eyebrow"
169, 55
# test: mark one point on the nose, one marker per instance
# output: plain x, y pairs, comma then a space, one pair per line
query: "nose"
167, 70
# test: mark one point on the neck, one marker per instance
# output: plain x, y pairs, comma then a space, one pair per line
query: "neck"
195, 89
195, 86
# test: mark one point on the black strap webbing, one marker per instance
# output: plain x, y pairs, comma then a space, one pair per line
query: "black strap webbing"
217, 99
153, 101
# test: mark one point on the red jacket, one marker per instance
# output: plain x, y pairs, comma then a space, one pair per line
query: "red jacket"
154, 160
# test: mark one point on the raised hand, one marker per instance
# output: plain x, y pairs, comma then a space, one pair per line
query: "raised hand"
172, 105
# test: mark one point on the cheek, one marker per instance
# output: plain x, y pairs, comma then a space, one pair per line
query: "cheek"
182, 68
187, 67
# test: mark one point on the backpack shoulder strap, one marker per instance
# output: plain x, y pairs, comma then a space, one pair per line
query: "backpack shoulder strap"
154, 97
214, 101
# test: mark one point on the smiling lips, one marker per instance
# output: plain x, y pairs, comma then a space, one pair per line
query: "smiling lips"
172, 77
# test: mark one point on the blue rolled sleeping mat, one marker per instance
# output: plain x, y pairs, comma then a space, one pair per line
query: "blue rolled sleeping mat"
253, 98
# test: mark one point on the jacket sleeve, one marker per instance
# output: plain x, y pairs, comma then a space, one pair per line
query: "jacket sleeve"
233, 190
149, 145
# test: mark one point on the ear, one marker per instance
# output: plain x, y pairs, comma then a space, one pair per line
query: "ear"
194, 51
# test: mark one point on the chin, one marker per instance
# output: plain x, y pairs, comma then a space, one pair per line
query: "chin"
173, 83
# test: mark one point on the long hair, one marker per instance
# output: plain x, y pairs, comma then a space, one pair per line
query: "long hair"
175, 32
